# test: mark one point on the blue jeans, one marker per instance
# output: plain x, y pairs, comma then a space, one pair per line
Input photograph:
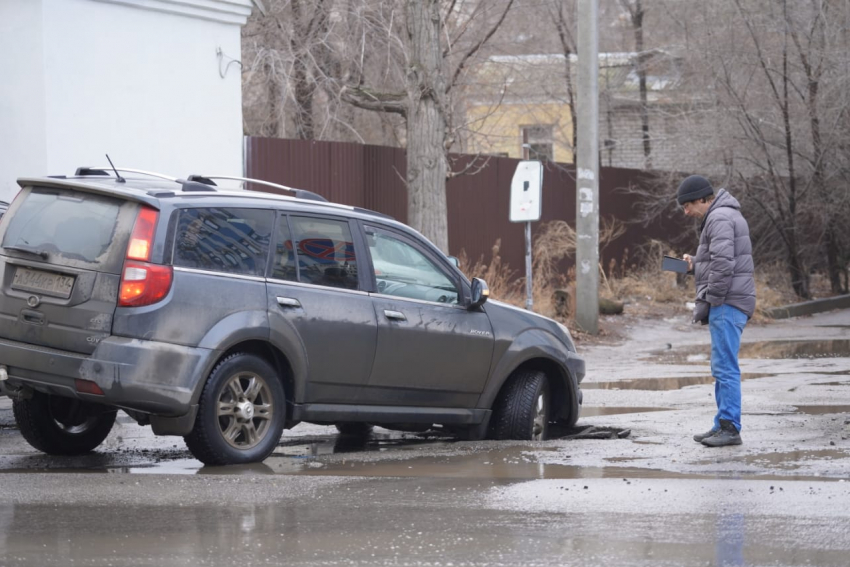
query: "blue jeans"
726, 323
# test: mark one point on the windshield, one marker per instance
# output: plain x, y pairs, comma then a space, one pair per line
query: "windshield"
74, 225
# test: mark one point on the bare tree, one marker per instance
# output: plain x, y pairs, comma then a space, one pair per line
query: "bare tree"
399, 58
773, 78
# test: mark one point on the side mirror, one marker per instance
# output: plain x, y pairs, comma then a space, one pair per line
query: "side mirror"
480, 293
455, 261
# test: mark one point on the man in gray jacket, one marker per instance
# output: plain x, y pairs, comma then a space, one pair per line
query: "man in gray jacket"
723, 267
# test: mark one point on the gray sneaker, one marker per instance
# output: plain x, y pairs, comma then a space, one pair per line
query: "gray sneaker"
727, 435
700, 436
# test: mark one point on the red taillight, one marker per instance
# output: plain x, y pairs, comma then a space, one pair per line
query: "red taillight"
87, 387
143, 283
141, 241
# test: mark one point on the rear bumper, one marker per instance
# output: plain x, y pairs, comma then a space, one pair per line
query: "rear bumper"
147, 376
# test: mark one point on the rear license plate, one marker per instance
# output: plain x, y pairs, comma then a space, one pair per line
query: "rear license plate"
47, 283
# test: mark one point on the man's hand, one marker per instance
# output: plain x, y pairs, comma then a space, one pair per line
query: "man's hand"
690, 260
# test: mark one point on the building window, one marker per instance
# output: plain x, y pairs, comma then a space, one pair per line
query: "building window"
537, 142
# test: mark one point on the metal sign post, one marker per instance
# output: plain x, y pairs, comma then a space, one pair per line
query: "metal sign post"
526, 206
529, 295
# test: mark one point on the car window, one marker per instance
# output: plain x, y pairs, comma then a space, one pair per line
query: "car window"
325, 252
234, 241
71, 224
284, 254
402, 270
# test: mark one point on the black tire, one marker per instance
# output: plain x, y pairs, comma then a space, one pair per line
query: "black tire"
62, 426
353, 429
229, 428
522, 408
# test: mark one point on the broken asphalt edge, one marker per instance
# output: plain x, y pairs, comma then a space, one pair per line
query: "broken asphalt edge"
810, 307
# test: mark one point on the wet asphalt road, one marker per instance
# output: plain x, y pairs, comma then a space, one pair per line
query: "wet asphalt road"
654, 498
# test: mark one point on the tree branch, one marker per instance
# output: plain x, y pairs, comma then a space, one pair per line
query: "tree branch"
368, 99
477, 47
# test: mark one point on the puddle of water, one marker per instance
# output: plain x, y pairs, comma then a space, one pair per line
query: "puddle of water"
788, 460
660, 384
822, 410
501, 465
837, 348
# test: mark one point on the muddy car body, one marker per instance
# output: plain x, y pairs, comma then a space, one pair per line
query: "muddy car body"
225, 316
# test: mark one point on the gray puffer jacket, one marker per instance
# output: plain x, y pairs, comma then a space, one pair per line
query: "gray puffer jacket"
723, 265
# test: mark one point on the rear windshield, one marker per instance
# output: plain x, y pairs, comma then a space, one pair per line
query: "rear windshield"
69, 224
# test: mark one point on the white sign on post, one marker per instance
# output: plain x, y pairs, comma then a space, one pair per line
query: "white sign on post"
527, 192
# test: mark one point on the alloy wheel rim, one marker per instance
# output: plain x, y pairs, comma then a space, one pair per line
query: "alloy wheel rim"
244, 410
538, 426
68, 420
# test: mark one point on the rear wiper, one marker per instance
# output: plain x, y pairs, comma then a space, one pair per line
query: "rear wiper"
28, 249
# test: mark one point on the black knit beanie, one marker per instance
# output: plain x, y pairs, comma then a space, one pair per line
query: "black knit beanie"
693, 188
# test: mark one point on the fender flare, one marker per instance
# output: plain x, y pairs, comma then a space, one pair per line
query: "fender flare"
541, 348
233, 329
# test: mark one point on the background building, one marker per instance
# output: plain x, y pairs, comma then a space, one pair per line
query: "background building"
150, 82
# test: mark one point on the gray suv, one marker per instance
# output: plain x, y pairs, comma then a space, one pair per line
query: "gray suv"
226, 316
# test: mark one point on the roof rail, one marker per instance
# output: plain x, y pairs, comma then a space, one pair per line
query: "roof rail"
299, 193
107, 170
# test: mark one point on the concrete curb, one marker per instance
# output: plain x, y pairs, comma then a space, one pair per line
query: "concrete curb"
810, 307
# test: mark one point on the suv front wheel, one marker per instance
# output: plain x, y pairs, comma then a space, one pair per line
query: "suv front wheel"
521, 410
62, 426
241, 413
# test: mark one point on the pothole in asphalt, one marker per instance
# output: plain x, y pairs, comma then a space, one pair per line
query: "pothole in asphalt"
821, 410
837, 348
790, 460
661, 384
597, 411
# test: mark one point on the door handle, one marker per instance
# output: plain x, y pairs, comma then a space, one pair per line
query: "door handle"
395, 315
288, 302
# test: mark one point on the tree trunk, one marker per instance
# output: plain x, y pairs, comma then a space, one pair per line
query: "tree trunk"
426, 124
303, 84
799, 274
637, 22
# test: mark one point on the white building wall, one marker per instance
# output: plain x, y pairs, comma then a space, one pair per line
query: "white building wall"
137, 79
23, 133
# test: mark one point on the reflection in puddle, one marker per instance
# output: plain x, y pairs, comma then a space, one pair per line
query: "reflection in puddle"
838, 348
511, 464
790, 460
660, 384
517, 463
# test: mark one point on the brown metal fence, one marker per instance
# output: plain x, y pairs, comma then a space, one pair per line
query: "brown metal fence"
373, 177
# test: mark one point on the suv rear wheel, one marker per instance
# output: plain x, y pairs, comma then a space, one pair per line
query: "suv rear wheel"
521, 410
241, 413
62, 426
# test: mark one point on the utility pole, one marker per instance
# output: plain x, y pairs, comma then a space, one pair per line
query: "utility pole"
587, 168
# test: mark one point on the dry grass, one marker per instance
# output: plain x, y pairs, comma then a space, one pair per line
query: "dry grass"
501, 279
636, 281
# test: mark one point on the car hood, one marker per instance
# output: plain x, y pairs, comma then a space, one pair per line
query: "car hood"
511, 320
